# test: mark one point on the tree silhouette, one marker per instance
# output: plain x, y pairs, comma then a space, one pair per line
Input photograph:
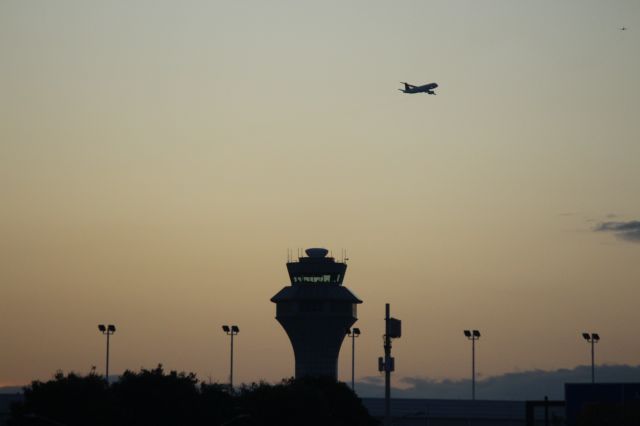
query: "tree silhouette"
154, 397
69, 400
308, 401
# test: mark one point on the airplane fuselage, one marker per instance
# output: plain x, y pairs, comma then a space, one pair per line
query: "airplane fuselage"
427, 88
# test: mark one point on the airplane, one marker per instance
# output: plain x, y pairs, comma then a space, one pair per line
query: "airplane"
427, 88
623, 28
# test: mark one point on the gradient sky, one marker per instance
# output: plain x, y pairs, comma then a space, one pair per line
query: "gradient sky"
157, 160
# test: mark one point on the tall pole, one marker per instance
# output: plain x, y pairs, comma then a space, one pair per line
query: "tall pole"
353, 361
473, 335
231, 331
387, 369
107, 368
231, 369
593, 362
473, 369
108, 331
353, 333
392, 330
592, 338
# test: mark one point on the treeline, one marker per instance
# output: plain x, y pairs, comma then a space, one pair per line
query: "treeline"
154, 397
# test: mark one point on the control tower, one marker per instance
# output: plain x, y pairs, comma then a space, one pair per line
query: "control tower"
316, 311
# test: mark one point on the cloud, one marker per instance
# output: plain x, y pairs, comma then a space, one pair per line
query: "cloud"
629, 231
526, 385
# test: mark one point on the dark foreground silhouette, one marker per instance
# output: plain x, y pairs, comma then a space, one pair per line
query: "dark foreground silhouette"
153, 397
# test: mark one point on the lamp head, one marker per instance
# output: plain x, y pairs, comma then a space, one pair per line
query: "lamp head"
235, 329
102, 328
467, 333
225, 328
586, 336
111, 328
595, 336
356, 331
476, 333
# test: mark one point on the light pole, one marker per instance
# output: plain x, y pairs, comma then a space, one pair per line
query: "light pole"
592, 338
473, 335
108, 331
353, 334
231, 331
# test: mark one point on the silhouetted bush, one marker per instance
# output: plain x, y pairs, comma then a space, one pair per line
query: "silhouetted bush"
308, 401
216, 404
70, 400
153, 397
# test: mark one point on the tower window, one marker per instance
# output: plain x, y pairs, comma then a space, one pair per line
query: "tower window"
313, 279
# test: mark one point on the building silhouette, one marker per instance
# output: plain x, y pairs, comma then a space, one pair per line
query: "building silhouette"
316, 311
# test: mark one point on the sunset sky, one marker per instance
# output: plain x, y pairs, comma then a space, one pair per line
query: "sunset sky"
159, 158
